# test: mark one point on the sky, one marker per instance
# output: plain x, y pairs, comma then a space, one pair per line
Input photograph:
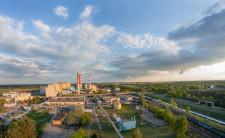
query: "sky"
43, 41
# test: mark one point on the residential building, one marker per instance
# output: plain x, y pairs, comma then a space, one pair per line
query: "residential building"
9, 104
16, 96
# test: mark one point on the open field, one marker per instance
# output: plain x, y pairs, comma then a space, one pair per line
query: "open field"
215, 113
128, 112
41, 119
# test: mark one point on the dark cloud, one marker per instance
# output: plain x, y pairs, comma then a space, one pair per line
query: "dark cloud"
205, 41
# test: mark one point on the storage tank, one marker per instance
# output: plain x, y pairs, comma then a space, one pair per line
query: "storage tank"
117, 105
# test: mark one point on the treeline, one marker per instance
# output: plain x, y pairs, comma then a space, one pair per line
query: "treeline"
22, 128
179, 124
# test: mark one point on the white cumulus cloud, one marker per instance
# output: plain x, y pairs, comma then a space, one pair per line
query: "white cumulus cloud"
41, 26
87, 12
61, 11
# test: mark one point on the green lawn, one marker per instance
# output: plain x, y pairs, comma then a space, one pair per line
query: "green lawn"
38, 116
128, 111
215, 113
40, 125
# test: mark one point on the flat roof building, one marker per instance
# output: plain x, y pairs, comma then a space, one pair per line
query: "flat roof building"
58, 120
127, 124
67, 101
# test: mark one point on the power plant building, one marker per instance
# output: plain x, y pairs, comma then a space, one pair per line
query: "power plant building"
53, 89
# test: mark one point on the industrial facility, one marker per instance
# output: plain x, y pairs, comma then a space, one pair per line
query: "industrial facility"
65, 88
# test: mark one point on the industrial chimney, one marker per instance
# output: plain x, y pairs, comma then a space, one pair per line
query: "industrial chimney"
78, 83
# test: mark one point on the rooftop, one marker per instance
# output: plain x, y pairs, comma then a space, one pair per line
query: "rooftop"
59, 116
67, 100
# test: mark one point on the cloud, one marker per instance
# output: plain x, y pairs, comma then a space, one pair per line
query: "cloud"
61, 11
41, 26
146, 41
106, 53
87, 12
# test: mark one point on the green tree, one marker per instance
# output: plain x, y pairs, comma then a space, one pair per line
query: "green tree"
181, 126
137, 133
100, 91
188, 109
79, 111
2, 101
141, 99
146, 104
70, 118
2, 109
168, 115
173, 121
22, 128
94, 135
85, 118
160, 100
79, 134
173, 103
210, 98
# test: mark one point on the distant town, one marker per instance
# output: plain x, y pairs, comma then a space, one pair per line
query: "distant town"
115, 109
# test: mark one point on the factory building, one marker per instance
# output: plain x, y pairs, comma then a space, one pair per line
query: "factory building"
117, 89
53, 89
93, 88
67, 101
126, 97
127, 124
42, 90
85, 86
111, 99
106, 90
59, 118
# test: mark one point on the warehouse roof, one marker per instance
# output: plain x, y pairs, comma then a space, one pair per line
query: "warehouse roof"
60, 116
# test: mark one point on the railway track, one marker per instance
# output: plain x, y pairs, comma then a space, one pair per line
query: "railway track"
193, 127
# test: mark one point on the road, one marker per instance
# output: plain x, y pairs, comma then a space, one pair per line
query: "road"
8, 121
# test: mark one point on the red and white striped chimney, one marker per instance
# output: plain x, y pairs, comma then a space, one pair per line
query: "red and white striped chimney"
78, 83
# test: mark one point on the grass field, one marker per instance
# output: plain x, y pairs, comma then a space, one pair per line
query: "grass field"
43, 116
215, 113
38, 116
128, 112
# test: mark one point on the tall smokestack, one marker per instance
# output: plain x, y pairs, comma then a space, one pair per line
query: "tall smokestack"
78, 83
89, 81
